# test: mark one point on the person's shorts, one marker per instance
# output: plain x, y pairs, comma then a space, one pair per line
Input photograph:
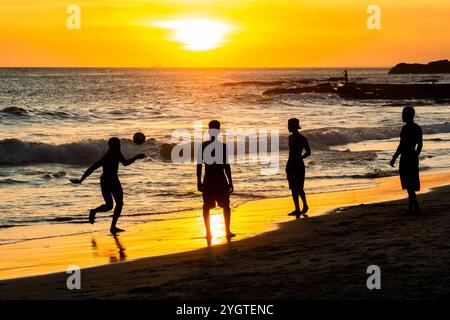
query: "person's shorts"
296, 178
409, 173
215, 191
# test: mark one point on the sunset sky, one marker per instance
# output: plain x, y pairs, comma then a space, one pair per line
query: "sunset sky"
223, 33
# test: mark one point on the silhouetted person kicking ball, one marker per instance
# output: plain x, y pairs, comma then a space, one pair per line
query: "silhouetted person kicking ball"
295, 168
217, 183
409, 150
109, 181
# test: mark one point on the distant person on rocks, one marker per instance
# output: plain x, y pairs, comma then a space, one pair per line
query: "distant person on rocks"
409, 150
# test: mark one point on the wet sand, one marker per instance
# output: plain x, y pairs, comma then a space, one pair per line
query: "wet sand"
320, 257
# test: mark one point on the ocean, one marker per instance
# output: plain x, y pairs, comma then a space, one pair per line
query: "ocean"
55, 122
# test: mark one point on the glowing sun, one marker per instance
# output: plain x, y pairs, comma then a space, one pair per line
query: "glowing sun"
197, 34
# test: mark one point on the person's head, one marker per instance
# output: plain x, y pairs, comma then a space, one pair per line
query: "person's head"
293, 124
114, 144
214, 128
408, 114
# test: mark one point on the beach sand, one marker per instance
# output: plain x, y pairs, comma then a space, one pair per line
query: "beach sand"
321, 257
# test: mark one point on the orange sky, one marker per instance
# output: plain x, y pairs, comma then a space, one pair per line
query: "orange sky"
264, 33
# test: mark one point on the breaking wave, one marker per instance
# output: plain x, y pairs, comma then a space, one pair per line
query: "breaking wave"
340, 136
14, 151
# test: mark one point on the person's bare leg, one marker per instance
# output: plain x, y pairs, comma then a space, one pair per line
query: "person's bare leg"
305, 205
207, 224
410, 203
118, 197
227, 218
117, 212
104, 207
413, 206
297, 211
416, 203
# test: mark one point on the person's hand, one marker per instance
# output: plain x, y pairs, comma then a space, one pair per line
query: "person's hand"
76, 181
230, 188
199, 186
140, 156
392, 163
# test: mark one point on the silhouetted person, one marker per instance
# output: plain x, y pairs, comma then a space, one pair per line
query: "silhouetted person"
295, 168
217, 183
346, 77
409, 150
109, 181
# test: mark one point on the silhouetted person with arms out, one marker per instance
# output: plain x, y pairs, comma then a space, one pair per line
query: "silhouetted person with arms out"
109, 181
217, 183
295, 168
409, 150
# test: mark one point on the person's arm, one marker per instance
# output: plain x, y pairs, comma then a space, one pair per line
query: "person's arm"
127, 162
88, 172
397, 152
199, 177
230, 180
228, 168
199, 158
307, 149
395, 156
420, 142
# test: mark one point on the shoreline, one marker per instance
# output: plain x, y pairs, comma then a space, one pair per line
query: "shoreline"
190, 211
157, 238
323, 257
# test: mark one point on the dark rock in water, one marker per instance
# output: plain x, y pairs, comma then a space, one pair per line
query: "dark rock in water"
16, 111
395, 91
319, 88
429, 80
336, 79
166, 151
440, 66
59, 174
442, 101
305, 81
253, 83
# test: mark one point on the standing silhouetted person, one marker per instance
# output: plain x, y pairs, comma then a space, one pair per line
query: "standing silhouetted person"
346, 77
109, 181
217, 183
295, 168
409, 150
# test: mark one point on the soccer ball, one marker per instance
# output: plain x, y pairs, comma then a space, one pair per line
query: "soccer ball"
139, 138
